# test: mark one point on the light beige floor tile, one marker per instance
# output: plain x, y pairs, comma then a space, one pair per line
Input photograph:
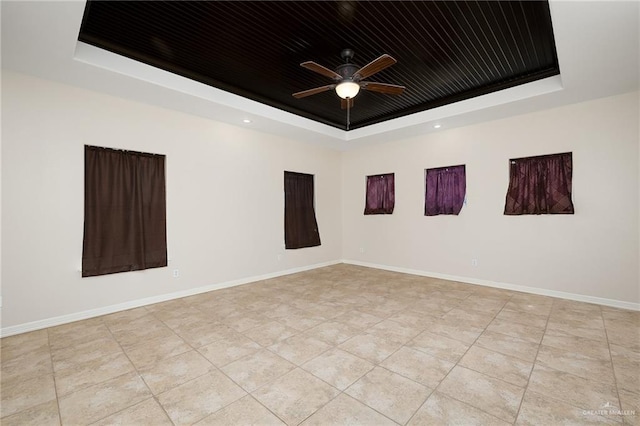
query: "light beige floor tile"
496, 397
13, 346
369, 314
508, 345
575, 362
332, 332
338, 368
246, 411
626, 364
270, 333
171, 372
630, 405
203, 333
597, 349
439, 409
184, 317
592, 329
357, 319
522, 317
569, 388
372, 348
495, 364
146, 321
114, 321
243, 321
78, 335
454, 329
435, 307
28, 365
299, 349
147, 412
92, 372
199, 398
483, 304
344, 410
154, 330
390, 394
257, 369
300, 322
45, 414
151, 351
394, 331
18, 395
418, 366
624, 335
414, 318
295, 396
539, 410
439, 346
98, 401
466, 316
528, 333
80, 354
229, 349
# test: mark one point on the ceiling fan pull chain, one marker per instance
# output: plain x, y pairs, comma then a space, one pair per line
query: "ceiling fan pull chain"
348, 113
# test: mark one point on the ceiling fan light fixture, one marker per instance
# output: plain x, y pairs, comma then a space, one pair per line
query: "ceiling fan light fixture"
347, 89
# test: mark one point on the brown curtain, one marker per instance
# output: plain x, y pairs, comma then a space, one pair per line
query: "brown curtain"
540, 185
381, 194
300, 226
124, 211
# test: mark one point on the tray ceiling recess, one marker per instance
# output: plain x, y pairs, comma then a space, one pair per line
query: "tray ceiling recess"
446, 51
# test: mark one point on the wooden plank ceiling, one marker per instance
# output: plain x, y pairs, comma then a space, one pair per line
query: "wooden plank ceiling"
447, 51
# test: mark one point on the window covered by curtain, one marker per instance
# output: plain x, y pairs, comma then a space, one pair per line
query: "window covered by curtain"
124, 211
445, 190
380, 194
540, 185
300, 226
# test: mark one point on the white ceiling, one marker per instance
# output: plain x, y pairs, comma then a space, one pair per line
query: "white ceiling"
598, 45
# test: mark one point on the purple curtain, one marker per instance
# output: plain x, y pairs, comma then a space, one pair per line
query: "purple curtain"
445, 190
381, 197
124, 211
540, 185
300, 226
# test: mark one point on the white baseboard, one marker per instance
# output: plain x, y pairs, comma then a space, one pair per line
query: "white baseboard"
64, 319
515, 287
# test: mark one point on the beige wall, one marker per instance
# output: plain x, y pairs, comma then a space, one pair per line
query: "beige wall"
225, 202
224, 199
593, 253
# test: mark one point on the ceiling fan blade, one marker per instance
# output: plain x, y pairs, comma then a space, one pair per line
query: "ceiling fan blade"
314, 91
310, 65
374, 66
388, 89
346, 102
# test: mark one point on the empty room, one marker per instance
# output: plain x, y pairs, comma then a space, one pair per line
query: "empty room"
320, 213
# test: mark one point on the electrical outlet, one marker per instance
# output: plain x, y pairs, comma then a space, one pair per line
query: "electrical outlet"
474, 262
176, 273
361, 249
279, 257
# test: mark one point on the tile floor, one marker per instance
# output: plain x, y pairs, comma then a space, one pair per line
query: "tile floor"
337, 345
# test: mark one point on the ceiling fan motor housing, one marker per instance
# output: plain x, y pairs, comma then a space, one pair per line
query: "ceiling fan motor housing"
347, 70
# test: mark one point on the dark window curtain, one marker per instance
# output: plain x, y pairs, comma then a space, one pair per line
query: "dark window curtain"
445, 190
124, 211
540, 185
381, 194
300, 226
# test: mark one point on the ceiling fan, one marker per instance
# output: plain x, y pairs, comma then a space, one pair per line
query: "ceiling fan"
349, 78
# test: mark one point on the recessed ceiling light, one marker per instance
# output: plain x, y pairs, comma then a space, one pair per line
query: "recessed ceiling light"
246, 120
437, 126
